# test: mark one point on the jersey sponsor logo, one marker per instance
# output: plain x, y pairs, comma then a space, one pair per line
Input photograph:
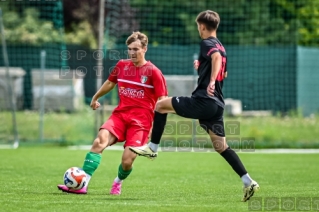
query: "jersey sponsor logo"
132, 93
143, 79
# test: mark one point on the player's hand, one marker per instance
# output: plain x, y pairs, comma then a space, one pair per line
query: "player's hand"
94, 104
211, 88
196, 64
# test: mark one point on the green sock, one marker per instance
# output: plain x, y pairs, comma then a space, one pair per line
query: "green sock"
91, 162
122, 173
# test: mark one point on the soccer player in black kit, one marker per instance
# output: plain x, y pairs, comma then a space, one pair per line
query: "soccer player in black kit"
206, 103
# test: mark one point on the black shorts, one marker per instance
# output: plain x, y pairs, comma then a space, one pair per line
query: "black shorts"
207, 111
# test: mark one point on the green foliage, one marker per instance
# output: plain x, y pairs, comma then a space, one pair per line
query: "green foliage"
81, 22
302, 16
39, 23
29, 28
243, 22
167, 22
81, 34
308, 16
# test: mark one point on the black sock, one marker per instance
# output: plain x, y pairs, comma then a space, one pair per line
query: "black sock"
158, 127
232, 158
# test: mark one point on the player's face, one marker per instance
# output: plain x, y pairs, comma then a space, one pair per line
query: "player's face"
136, 51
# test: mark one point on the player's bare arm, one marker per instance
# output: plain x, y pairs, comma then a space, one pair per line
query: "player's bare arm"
216, 66
105, 88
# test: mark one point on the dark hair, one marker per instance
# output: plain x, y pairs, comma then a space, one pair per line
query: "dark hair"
209, 18
137, 36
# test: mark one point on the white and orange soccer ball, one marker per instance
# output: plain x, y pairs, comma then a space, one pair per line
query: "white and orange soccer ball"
75, 178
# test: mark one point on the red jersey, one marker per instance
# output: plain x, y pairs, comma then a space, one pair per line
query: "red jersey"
138, 87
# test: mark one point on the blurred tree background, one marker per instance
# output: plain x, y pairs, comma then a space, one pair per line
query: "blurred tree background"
267, 22
271, 31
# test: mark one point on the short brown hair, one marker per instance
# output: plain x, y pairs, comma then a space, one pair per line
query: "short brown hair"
209, 18
137, 36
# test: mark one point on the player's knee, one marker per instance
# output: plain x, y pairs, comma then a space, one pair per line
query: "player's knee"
127, 163
220, 146
219, 142
100, 143
98, 146
159, 107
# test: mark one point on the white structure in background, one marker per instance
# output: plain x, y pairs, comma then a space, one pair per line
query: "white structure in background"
233, 107
59, 94
180, 85
16, 77
184, 85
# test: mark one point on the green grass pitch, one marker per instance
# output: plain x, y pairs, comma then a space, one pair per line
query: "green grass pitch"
173, 182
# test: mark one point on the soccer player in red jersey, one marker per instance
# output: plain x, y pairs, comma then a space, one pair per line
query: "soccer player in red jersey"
140, 85
206, 102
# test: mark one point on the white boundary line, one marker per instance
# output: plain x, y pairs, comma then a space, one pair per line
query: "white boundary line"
260, 151
6, 146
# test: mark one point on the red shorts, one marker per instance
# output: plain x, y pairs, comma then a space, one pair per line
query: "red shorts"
131, 126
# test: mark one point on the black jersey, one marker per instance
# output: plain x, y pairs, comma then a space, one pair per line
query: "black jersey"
207, 48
